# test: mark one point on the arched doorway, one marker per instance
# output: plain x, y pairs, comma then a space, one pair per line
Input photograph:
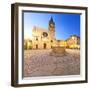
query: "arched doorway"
44, 45
36, 46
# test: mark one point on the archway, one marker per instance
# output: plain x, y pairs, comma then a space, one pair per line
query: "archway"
36, 46
44, 45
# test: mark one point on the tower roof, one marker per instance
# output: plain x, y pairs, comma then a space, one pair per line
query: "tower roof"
51, 21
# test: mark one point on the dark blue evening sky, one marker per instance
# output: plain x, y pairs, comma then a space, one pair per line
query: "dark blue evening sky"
65, 24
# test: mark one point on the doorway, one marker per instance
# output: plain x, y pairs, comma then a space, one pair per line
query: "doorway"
44, 45
36, 46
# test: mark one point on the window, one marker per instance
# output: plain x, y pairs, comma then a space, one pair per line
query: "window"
51, 40
45, 34
36, 39
51, 46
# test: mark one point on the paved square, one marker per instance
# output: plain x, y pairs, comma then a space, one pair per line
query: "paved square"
41, 63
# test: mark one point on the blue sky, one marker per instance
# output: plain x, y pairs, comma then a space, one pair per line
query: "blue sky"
65, 24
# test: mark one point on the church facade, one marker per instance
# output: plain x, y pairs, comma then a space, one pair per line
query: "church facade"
44, 39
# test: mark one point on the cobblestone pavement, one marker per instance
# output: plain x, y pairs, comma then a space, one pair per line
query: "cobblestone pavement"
41, 63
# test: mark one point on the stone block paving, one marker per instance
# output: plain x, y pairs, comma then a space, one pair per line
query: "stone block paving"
41, 63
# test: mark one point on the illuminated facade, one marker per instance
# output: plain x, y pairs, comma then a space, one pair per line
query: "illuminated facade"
27, 44
73, 42
45, 39
62, 43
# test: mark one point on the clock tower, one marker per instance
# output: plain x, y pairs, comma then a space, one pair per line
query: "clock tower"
51, 28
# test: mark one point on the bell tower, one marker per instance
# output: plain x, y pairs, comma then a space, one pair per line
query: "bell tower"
51, 28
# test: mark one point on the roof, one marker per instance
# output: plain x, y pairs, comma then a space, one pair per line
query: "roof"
51, 21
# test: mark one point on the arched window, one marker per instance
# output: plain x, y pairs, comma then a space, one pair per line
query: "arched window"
36, 39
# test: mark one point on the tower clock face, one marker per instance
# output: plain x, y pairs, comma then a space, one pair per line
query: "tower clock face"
51, 25
45, 34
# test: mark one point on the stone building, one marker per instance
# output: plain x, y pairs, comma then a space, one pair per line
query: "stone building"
73, 42
62, 43
44, 39
27, 44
